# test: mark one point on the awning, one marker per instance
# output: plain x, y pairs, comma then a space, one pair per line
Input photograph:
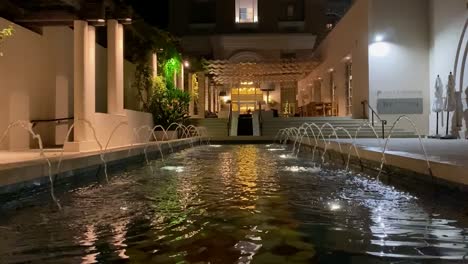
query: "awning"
226, 72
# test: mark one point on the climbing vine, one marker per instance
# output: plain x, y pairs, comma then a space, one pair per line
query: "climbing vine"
172, 67
158, 95
195, 93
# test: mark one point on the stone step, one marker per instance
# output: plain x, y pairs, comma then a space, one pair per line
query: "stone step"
218, 127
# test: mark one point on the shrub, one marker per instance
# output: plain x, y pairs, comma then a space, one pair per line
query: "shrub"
168, 104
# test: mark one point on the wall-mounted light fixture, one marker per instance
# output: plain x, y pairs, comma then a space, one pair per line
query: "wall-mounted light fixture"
125, 21
186, 64
98, 22
379, 48
379, 38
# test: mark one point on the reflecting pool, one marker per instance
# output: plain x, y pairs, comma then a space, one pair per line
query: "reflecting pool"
234, 204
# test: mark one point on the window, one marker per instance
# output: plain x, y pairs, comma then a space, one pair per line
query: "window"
246, 11
246, 15
291, 10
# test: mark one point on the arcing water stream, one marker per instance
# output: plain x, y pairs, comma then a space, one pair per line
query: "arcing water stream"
190, 132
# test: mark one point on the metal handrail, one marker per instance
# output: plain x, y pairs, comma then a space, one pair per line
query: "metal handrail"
374, 114
260, 119
229, 120
58, 120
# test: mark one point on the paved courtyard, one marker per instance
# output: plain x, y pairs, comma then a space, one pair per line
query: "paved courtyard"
446, 151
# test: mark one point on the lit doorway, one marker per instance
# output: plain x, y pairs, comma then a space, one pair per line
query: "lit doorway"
246, 98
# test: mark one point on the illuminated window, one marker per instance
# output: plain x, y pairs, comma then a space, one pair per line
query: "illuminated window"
246, 11
246, 15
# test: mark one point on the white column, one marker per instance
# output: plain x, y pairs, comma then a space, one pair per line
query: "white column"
115, 70
201, 94
84, 89
208, 96
190, 90
154, 64
181, 77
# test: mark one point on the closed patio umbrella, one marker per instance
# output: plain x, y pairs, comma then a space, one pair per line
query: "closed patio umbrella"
450, 102
438, 105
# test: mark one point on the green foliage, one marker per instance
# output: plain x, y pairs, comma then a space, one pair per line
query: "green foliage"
5, 33
146, 85
143, 83
171, 67
169, 105
142, 40
158, 95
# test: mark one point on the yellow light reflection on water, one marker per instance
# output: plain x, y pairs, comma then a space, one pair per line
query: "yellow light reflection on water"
247, 175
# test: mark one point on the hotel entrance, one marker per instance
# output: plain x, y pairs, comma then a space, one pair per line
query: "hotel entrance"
244, 107
245, 100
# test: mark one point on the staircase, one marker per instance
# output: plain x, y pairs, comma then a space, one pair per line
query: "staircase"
271, 126
216, 127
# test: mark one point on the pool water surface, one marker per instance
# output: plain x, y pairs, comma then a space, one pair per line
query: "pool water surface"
234, 204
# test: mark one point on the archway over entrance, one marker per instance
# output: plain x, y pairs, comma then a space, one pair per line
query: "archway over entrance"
246, 56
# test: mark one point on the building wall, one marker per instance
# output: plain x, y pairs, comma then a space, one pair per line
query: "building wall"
404, 71
36, 82
447, 21
29, 82
349, 38
268, 16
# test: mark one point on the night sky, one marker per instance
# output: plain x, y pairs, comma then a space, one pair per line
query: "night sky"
154, 12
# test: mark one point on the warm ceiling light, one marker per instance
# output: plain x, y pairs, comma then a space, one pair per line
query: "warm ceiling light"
126, 21
186, 64
97, 22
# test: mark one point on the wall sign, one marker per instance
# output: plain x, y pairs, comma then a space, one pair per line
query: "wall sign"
400, 106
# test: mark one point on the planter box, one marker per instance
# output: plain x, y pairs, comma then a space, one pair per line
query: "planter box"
171, 135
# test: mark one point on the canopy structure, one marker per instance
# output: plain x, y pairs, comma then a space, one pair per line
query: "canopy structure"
226, 72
